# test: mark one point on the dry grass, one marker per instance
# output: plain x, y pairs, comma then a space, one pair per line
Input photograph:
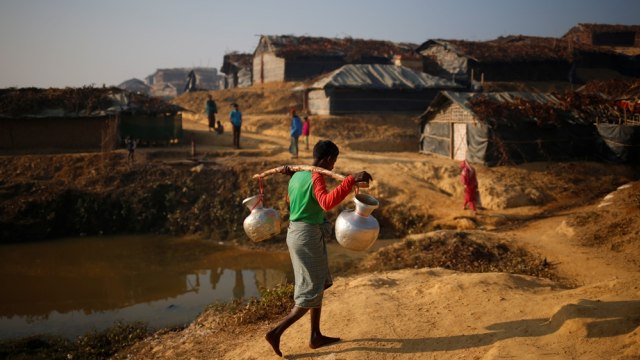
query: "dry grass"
461, 251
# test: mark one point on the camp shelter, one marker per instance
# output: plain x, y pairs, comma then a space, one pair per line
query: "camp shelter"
237, 69
620, 132
152, 121
299, 58
169, 83
518, 58
504, 128
623, 40
135, 86
373, 88
605, 35
78, 118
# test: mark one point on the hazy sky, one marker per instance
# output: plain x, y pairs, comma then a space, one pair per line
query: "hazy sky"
58, 43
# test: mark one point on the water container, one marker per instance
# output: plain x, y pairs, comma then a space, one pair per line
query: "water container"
356, 229
262, 223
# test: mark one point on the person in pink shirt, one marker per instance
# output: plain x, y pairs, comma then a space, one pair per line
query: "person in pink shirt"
305, 131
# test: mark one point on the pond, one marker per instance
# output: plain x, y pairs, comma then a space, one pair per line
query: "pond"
68, 287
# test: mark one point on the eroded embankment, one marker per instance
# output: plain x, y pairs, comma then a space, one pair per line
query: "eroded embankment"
71, 195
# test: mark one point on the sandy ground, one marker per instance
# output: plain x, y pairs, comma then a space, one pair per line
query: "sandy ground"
550, 209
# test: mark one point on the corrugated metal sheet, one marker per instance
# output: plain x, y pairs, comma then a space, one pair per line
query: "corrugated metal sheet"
381, 77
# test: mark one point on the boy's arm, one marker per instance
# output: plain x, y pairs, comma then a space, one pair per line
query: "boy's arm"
329, 200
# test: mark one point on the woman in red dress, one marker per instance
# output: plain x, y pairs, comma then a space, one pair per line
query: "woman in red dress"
470, 182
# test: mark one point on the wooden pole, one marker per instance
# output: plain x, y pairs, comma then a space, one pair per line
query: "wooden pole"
294, 168
451, 135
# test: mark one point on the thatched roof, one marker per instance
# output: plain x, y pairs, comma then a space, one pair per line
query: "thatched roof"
77, 102
237, 60
514, 49
613, 89
603, 28
505, 108
288, 46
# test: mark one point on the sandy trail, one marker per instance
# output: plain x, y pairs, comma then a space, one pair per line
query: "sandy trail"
442, 314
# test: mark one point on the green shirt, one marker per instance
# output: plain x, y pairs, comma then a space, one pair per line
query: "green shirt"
303, 205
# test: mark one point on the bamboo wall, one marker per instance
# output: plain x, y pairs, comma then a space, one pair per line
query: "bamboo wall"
267, 68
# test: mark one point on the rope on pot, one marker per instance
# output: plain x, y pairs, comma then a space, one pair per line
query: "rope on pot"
260, 195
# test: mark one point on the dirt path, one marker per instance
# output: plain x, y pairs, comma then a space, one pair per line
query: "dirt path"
442, 314
584, 265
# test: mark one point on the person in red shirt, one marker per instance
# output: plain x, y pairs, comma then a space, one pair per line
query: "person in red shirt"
470, 181
307, 238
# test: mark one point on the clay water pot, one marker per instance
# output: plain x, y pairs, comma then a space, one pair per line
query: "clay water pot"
262, 223
356, 229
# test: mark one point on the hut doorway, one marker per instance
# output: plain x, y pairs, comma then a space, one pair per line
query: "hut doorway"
459, 141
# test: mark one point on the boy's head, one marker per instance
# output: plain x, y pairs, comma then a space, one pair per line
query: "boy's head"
325, 154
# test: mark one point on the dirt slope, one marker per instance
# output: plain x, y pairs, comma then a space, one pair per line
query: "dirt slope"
581, 217
552, 209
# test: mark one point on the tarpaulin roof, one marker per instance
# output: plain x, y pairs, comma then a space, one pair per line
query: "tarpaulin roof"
381, 77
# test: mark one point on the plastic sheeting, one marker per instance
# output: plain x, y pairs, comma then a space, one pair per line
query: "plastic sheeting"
620, 143
436, 139
521, 141
381, 77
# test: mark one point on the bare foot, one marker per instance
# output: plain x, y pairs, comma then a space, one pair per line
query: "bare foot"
322, 341
274, 341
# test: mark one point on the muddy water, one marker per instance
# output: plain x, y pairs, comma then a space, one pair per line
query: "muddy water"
71, 286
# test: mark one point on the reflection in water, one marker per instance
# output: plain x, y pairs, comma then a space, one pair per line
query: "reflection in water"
238, 288
68, 287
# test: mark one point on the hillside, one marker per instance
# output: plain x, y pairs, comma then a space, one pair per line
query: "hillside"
550, 209
575, 222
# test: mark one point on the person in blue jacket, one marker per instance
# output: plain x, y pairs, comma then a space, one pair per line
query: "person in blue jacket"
296, 131
236, 121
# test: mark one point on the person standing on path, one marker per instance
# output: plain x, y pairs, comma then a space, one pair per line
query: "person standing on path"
470, 181
211, 110
306, 127
131, 144
191, 82
296, 131
307, 238
236, 122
